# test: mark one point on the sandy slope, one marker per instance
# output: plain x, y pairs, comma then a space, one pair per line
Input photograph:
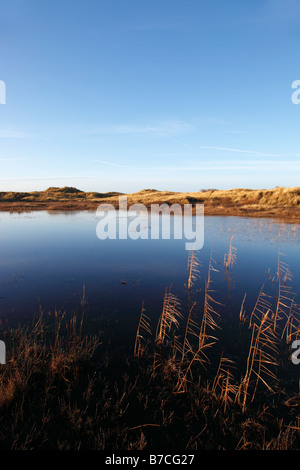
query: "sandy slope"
278, 202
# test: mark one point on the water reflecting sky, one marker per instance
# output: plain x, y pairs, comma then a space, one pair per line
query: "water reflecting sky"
47, 258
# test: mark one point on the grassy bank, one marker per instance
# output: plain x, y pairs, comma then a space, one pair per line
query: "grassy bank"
178, 387
278, 202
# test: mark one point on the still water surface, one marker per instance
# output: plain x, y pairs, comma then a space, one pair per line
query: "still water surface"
47, 258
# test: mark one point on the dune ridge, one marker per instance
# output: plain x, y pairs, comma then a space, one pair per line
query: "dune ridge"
279, 202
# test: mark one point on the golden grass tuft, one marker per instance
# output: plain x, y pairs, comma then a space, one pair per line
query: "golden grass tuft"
277, 202
187, 357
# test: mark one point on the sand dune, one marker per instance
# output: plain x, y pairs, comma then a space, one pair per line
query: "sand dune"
278, 202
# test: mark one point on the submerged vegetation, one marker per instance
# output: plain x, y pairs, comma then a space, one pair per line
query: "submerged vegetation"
179, 387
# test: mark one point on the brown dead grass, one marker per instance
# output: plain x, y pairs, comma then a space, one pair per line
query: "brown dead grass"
279, 202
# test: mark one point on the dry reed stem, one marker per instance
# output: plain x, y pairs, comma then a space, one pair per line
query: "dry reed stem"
262, 355
205, 340
193, 268
169, 317
144, 323
231, 256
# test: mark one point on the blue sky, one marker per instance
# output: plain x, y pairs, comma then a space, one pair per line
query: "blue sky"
166, 94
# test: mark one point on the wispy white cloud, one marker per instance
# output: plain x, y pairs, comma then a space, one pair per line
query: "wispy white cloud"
14, 134
163, 155
251, 152
279, 165
14, 159
105, 162
49, 178
164, 128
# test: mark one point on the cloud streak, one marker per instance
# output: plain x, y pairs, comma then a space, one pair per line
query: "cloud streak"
215, 166
251, 152
14, 134
105, 162
166, 128
50, 178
